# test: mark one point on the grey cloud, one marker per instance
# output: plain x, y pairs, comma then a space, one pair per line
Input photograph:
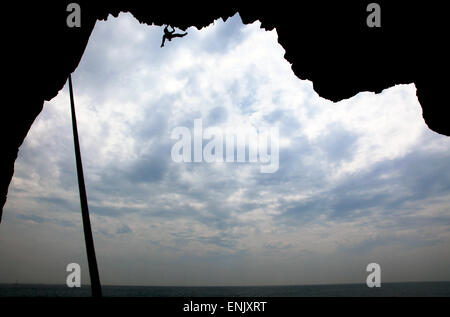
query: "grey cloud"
217, 115
40, 220
114, 212
338, 144
359, 194
124, 229
225, 37
369, 245
148, 169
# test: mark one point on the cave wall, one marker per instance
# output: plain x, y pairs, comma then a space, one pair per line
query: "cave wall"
327, 43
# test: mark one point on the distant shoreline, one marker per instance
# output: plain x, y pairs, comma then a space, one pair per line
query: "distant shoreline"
277, 285
393, 289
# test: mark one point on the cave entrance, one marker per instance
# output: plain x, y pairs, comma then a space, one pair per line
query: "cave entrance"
344, 181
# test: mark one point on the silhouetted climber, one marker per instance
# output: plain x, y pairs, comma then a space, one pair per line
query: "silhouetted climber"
169, 35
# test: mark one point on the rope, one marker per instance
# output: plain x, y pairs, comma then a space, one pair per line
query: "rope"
92, 261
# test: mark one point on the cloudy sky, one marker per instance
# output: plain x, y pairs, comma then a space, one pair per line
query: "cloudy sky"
359, 181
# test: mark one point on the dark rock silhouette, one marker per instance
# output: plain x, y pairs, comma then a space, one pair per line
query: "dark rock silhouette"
328, 43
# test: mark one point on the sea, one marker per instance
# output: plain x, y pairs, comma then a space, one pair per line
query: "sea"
410, 289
